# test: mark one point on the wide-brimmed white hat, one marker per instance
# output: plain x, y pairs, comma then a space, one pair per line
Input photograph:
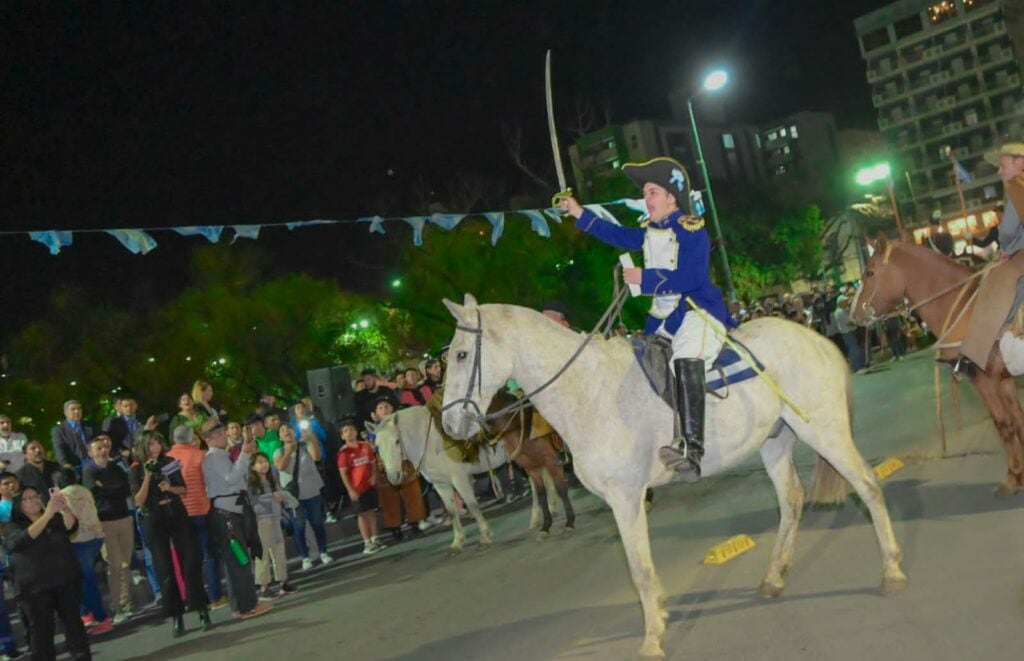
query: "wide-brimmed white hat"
1008, 149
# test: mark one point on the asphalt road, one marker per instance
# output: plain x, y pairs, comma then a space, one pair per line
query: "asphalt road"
572, 598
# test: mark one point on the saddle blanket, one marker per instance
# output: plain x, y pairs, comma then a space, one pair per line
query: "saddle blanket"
654, 353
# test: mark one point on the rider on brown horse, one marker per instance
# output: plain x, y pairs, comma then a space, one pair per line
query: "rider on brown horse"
1000, 291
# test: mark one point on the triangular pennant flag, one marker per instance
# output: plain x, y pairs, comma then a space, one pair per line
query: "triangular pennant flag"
52, 240
497, 221
246, 232
137, 241
416, 222
302, 223
446, 220
211, 232
537, 222
376, 224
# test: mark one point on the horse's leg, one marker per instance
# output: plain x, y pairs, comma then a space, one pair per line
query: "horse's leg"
447, 495
992, 394
777, 454
464, 486
1015, 449
562, 486
627, 506
839, 450
551, 489
535, 514
540, 492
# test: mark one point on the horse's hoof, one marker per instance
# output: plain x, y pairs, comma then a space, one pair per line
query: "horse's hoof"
651, 649
894, 584
1005, 490
568, 532
454, 551
648, 505
486, 541
771, 590
542, 535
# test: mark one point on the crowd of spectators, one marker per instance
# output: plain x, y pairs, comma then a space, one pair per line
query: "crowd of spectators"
196, 506
827, 310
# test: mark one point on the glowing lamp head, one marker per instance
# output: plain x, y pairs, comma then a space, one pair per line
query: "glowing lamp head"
716, 80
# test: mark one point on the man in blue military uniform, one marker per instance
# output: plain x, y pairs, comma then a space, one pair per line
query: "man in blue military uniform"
677, 255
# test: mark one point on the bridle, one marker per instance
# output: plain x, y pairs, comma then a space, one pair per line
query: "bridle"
405, 452
476, 375
868, 309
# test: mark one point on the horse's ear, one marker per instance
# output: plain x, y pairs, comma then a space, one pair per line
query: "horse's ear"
881, 243
457, 310
370, 427
469, 301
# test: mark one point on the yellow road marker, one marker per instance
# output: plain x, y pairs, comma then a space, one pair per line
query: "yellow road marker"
888, 467
729, 549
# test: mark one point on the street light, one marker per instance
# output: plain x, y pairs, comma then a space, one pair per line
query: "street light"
396, 283
713, 82
872, 174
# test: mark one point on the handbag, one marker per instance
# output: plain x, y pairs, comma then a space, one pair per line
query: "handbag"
293, 485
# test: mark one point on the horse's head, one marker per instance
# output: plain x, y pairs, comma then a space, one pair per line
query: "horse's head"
389, 446
477, 367
883, 285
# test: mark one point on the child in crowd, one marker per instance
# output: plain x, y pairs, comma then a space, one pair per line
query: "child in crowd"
357, 463
267, 497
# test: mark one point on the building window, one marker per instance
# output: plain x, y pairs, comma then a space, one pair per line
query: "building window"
942, 11
782, 132
875, 40
971, 5
785, 150
727, 141
907, 26
773, 135
615, 164
780, 169
792, 131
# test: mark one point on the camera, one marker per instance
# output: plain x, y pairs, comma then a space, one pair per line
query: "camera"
304, 425
153, 467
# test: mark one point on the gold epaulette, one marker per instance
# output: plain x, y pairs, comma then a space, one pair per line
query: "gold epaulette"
691, 223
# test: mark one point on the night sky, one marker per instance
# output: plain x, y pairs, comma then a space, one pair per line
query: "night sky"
152, 114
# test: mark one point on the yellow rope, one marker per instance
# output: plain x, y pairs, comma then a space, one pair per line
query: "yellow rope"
748, 360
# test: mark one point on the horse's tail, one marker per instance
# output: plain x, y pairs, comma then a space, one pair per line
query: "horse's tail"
828, 487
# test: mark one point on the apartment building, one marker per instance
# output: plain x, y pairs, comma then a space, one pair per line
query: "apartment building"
945, 74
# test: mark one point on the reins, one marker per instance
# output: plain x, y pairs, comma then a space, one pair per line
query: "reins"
604, 325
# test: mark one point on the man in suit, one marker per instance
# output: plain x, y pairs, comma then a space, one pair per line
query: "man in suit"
123, 427
71, 438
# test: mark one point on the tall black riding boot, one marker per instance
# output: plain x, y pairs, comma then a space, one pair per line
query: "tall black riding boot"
684, 457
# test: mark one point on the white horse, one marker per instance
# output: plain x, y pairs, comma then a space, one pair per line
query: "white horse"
411, 433
614, 424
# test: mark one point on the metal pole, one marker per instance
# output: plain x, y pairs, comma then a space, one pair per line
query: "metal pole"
711, 203
896, 209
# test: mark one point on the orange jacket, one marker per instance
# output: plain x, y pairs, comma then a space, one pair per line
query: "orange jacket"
191, 458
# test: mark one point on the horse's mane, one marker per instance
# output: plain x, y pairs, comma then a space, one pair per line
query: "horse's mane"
611, 344
931, 258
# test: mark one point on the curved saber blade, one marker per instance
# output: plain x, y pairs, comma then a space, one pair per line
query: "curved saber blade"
555, 151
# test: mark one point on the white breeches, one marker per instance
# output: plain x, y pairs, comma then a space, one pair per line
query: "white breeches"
696, 338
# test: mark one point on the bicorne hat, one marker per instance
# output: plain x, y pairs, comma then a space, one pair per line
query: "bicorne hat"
664, 171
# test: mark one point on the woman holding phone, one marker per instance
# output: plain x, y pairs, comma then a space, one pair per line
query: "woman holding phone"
157, 487
46, 572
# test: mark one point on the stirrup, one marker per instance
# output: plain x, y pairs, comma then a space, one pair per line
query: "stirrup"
681, 461
964, 368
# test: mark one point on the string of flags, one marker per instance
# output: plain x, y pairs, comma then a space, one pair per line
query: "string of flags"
141, 241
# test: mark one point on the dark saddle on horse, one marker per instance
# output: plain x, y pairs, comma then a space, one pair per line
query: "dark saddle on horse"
654, 353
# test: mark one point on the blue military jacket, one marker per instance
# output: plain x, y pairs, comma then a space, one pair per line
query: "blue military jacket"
677, 257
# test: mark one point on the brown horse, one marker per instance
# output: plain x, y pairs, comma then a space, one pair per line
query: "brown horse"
534, 453
942, 292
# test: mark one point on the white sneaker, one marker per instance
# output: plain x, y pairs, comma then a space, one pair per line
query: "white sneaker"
331, 518
424, 525
307, 564
325, 559
369, 548
435, 520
